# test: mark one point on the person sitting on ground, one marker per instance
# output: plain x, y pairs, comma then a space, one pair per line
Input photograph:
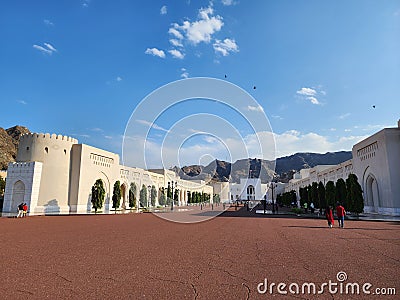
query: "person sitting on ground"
25, 210
20, 210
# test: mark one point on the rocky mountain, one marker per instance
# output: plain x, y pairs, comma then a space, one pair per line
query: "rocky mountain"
9, 139
219, 170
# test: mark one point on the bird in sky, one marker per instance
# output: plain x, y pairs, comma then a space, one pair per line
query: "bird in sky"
254, 87
373, 106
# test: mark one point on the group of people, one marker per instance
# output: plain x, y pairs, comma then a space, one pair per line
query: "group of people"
340, 213
22, 210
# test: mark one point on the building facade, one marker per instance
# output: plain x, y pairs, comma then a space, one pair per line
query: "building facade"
376, 162
54, 174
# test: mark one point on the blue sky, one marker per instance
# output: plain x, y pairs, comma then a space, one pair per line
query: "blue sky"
80, 68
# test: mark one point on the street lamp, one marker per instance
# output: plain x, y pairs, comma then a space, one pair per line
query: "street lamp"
171, 184
148, 198
272, 190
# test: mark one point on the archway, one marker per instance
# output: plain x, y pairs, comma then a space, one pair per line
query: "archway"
251, 193
18, 195
372, 193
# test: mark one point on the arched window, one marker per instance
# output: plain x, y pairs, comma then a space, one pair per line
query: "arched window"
251, 193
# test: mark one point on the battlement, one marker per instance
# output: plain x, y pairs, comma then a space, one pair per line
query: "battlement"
54, 137
21, 166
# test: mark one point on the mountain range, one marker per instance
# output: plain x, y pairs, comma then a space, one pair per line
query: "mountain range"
218, 170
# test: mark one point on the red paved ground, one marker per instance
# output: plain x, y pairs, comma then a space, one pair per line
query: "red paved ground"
142, 256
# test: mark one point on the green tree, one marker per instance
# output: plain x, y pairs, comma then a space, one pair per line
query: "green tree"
279, 199
303, 196
143, 196
161, 198
189, 196
116, 197
341, 192
153, 195
2, 187
216, 199
321, 195
98, 194
309, 195
315, 195
330, 193
132, 195
176, 195
169, 195
354, 194
293, 197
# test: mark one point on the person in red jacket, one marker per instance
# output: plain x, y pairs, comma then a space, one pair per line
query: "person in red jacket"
329, 216
25, 208
340, 213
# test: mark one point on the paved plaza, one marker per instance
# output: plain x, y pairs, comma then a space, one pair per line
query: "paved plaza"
141, 256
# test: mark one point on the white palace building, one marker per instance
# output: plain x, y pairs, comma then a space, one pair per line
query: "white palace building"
376, 162
54, 174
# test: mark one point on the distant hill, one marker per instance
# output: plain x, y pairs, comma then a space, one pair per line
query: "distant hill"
9, 139
224, 171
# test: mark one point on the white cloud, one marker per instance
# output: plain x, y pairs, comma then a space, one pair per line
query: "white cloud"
155, 52
85, 3
97, 129
163, 10
48, 22
255, 108
48, 45
152, 125
226, 46
307, 92
310, 94
176, 54
343, 116
175, 33
184, 74
22, 102
277, 117
228, 2
118, 78
313, 100
200, 30
175, 43
49, 49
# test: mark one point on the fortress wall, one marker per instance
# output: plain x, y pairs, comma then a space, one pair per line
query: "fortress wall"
23, 184
54, 151
90, 164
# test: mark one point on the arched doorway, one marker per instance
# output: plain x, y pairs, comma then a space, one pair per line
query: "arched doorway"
18, 195
372, 193
251, 195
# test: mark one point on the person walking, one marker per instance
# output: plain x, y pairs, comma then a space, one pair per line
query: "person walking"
306, 207
329, 216
340, 213
20, 210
